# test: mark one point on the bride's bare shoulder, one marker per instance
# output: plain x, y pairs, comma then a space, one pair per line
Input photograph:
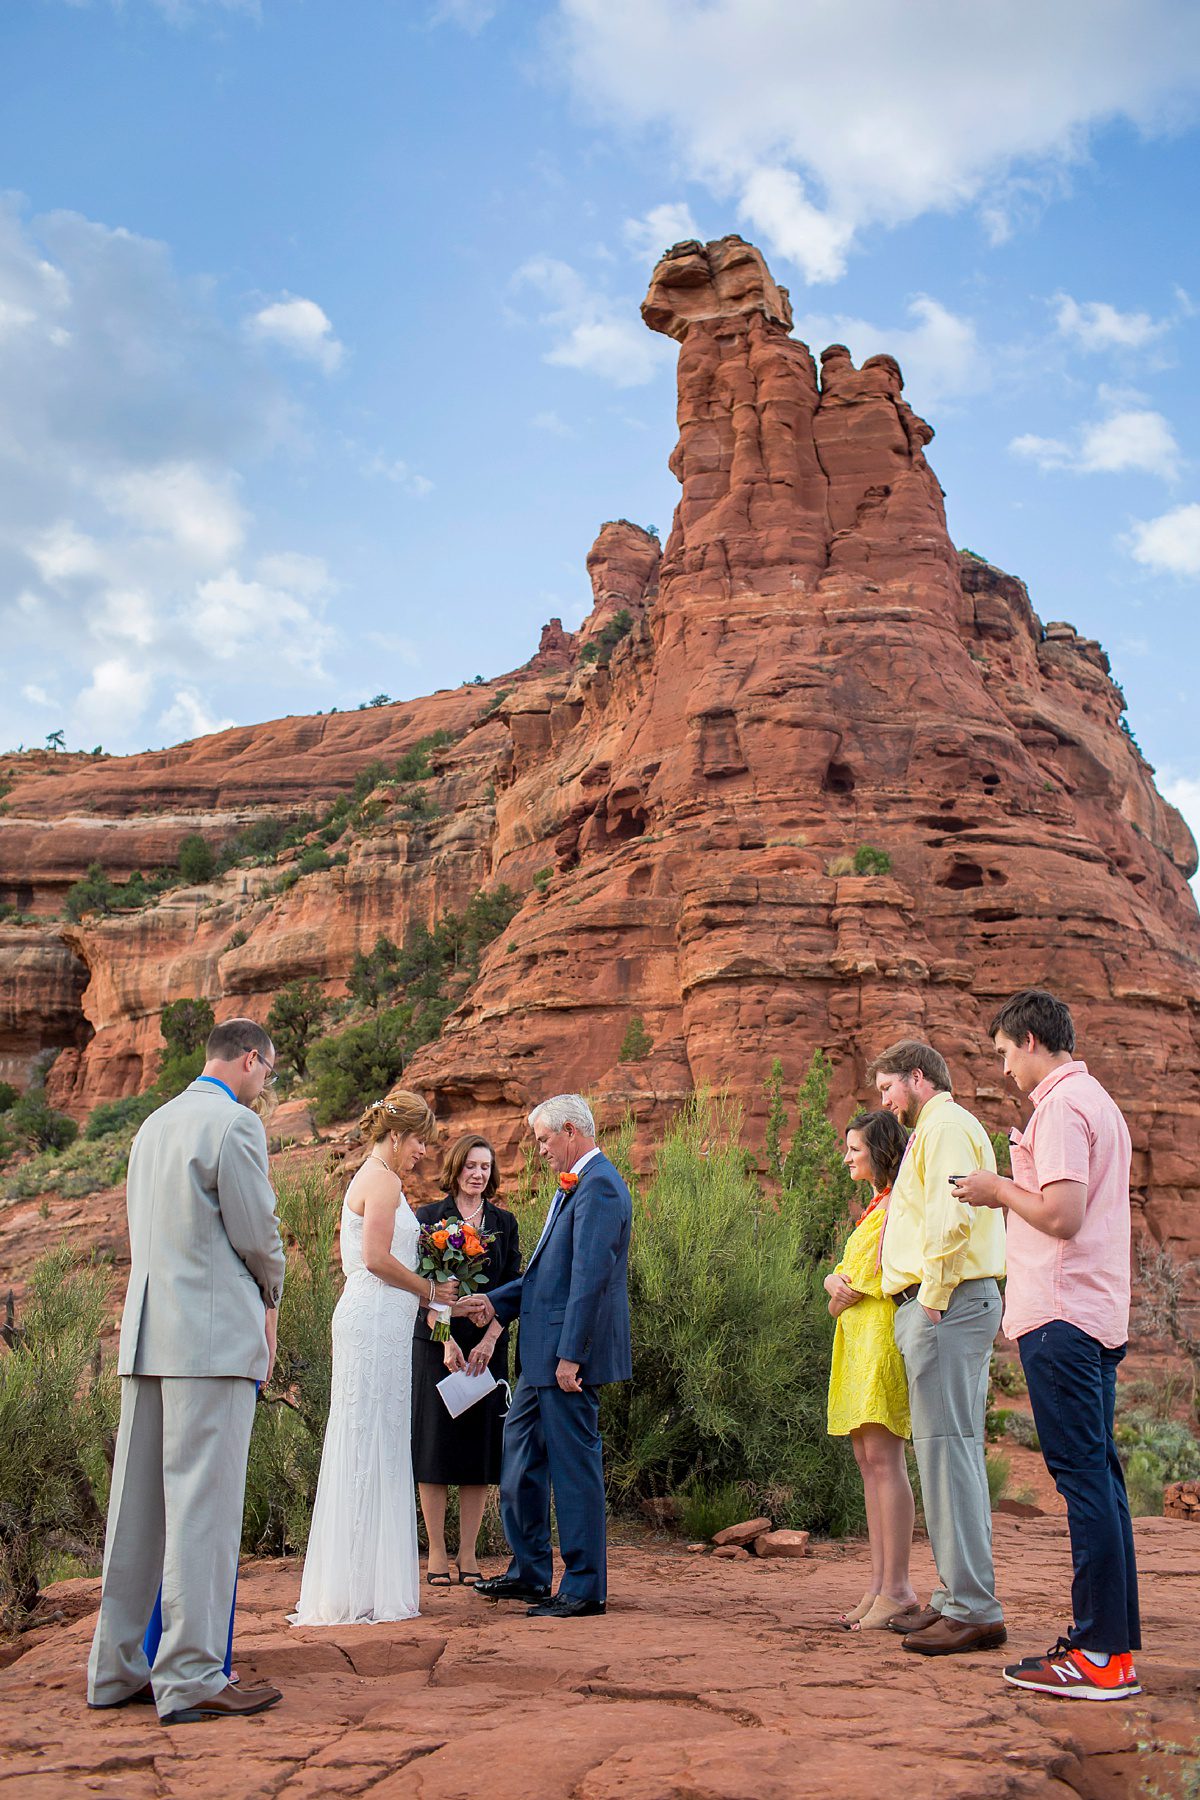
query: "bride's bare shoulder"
372, 1185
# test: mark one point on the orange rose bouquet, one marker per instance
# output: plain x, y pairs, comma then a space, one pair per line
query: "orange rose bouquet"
453, 1251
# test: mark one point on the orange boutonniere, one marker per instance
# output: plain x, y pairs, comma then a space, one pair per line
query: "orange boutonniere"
567, 1182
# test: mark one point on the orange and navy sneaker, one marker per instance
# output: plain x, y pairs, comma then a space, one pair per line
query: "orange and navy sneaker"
1071, 1674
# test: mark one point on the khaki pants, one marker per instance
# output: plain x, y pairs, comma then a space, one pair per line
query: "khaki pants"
175, 1515
947, 1366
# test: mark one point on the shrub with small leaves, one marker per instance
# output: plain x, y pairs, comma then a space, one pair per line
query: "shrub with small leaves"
197, 859
869, 861
637, 1043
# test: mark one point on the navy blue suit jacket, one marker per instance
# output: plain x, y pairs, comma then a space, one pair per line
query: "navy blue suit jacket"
573, 1299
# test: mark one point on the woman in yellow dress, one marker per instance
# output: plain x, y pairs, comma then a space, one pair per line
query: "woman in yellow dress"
868, 1392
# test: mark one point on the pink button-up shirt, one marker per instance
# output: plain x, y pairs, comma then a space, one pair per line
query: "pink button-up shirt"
1076, 1134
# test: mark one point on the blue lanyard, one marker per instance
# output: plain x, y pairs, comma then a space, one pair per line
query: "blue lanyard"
223, 1085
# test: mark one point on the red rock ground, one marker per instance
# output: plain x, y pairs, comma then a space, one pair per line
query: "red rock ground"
706, 1681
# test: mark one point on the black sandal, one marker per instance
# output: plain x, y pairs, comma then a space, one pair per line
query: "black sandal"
439, 1580
470, 1577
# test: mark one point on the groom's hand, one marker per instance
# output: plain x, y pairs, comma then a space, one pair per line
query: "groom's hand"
476, 1307
567, 1376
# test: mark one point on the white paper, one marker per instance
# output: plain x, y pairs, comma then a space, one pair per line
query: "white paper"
461, 1391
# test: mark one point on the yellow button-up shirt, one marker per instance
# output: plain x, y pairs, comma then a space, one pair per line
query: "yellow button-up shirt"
931, 1240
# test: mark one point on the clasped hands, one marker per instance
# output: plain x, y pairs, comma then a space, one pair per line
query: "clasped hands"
479, 1309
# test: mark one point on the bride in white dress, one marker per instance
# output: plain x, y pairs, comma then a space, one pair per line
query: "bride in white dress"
362, 1548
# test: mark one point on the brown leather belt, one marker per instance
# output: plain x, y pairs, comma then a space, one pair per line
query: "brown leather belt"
906, 1294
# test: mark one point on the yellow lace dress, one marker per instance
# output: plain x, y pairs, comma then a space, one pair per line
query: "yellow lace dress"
867, 1384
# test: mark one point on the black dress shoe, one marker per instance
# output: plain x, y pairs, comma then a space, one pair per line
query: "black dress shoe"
566, 1606
510, 1587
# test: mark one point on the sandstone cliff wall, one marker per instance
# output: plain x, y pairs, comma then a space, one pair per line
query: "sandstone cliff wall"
811, 668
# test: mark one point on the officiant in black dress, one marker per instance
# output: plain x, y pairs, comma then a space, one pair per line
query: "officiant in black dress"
462, 1452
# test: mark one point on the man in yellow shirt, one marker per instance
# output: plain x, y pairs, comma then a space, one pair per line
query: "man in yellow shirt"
940, 1262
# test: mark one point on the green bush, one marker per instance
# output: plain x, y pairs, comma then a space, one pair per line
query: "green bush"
637, 1043
1021, 1429
707, 1510
197, 860
732, 1338
9, 1095
84, 1167
289, 1425
360, 1064
869, 861
296, 1016
94, 894
114, 1116
999, 1473
600, 650
1153, 1452
57, 1427
34, 1123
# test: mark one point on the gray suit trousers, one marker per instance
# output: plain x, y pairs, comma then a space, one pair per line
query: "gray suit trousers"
947, 1366
175, 1515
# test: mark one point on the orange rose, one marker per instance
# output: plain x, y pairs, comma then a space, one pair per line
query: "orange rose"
441, 1239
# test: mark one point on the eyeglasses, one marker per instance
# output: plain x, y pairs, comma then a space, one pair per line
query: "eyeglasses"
269, 1067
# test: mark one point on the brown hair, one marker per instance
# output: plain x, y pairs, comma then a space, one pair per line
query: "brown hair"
231, 1036
912, 1057
1036, 1010
457, 1155
884, 1139
403, 1112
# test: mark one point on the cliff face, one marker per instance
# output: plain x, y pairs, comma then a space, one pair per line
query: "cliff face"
812, 668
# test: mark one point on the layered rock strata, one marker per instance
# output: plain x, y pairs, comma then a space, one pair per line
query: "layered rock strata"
812, 669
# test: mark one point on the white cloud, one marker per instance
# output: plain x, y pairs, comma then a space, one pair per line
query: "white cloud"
939, 355
394, 469
1183, 792
128, 412
301, 328
1170, 544
1095, 325
188, 716
182, 503
113, 702
595, 335
818, 122
37, 696
658, 229
468, 15
1131, 439
237, 618
550, 422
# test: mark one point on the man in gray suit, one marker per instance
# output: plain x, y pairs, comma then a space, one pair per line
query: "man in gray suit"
197, 1332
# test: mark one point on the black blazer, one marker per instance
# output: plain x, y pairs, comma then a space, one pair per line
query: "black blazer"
503, 1264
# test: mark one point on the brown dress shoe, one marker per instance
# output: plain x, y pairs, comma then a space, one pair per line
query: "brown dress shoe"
913, 1618
231, 1703
143, 1696
948, 1637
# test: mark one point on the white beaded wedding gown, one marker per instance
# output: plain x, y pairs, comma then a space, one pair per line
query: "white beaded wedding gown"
362, 1549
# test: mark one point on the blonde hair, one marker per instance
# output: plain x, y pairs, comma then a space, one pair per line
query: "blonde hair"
403, 1112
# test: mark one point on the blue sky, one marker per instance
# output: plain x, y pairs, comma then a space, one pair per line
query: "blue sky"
320, 359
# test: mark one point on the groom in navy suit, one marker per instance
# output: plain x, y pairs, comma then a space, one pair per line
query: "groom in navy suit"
573, 1305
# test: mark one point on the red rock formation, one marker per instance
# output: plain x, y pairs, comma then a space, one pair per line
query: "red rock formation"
813, 669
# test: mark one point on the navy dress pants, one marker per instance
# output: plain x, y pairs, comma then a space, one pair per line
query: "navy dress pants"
552, 1442
1072, 1389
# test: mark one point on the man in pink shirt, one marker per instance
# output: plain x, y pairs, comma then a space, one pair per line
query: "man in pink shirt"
1067, 1306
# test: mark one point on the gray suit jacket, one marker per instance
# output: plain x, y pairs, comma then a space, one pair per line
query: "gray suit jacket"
205, 1253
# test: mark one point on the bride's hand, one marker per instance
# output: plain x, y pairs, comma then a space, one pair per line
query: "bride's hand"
445, 1293
452, 1356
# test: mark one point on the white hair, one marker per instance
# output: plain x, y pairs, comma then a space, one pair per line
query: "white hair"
564, 1109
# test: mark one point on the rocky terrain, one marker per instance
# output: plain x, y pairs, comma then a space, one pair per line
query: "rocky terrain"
679, 791
706, 1680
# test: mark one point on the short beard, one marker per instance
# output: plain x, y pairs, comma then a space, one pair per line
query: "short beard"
911, 1113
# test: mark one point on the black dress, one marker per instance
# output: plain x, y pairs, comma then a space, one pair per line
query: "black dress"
466, 1450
